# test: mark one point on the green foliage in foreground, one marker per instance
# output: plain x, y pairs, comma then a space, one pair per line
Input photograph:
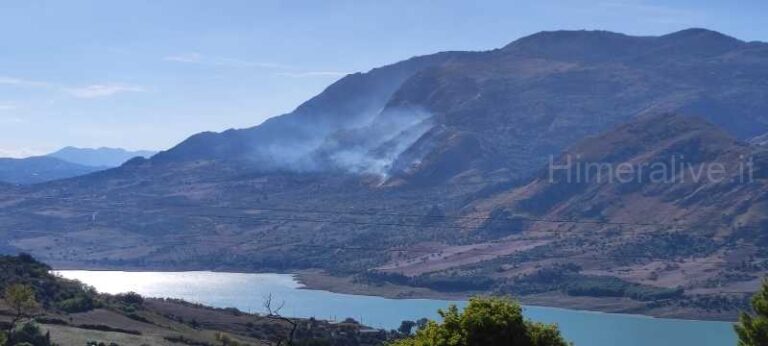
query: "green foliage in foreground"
753, 329
21, 299
486, 322
51, 292
30, 334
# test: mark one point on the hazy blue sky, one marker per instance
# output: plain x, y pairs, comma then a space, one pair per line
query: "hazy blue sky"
147, 74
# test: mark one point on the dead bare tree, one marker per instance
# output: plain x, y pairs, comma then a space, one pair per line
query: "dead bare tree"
273, 312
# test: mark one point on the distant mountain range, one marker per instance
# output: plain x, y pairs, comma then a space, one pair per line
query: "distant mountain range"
40, 169
65, 163
100, 157
431, 172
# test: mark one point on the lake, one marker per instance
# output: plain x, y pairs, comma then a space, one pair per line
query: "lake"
247, 291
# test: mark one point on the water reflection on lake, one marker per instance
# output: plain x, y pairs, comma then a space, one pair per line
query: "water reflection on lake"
247, 291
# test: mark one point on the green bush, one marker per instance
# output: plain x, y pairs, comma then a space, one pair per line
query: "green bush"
30, 333
78, 303
487, 322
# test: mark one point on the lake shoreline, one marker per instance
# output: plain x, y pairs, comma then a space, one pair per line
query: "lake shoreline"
313, 279
318, 280
246, 292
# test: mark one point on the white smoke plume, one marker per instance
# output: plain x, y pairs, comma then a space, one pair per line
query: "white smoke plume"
366, 145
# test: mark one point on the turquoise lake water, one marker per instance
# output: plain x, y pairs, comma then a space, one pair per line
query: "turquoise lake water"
247, 291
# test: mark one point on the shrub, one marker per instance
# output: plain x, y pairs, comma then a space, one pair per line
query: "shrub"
488, 322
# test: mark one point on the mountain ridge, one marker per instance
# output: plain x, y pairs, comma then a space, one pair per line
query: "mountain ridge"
679, 72
98, 157
39, 169
68, 162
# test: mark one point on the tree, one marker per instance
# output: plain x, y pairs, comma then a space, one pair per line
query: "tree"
422, 323
226, 340
30, 334
406, 327
22, 301
273, 312
752, 329
487, 322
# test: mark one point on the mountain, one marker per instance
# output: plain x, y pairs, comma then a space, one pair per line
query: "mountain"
39, 169
294, 141
410, 174
664, 206
503, 109
100, 157
65, 163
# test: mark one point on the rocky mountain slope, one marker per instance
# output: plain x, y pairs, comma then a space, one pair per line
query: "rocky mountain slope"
503, 109
660, 204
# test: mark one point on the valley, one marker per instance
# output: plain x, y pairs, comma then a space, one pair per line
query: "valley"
429, 178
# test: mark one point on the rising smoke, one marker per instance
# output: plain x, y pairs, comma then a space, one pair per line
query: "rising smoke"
365, 144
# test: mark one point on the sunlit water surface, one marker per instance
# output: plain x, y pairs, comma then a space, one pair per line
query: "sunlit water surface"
247, 291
